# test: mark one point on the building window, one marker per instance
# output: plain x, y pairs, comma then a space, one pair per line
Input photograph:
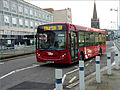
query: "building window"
6, 5
40, 15
21, 22
40, 23
20, 9
43, 16
26, 11
6, 20
31, 24
31, 12
36, 24
36, 14
14, 22
14, 7
26, 23
48, 17
51, 18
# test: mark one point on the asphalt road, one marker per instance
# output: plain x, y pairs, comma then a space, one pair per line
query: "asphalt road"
24, 73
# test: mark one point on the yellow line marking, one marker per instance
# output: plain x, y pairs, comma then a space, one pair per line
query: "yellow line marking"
73, 84
86, 64
72, 79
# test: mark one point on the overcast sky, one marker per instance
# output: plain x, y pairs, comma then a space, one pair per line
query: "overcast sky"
82, 11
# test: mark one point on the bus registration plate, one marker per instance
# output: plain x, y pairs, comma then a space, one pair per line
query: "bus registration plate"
49, 61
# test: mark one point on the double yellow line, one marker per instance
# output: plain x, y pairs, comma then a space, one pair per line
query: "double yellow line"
77, 82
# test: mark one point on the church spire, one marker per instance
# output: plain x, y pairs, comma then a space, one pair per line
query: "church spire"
95, 20
94, 11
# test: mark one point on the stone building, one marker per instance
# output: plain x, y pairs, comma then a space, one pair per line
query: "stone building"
19, 20
63, 15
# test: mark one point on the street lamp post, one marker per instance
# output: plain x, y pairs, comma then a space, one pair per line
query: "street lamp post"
117, 15
117, 18
34, 38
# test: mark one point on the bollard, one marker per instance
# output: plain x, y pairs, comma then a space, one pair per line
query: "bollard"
98, 69
81, 75
58, 75
109, 63
116, 60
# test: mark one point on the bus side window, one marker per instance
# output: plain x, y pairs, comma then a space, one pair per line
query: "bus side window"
92, 39
81, 39
103, 39
69, 41
87, 39
96, 39
100, 38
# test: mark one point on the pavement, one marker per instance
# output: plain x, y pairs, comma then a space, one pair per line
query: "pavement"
108, 82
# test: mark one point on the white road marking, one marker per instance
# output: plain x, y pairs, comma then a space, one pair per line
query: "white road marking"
76, 66
2, 63
72, 71
63, 78
18, 70
7, 74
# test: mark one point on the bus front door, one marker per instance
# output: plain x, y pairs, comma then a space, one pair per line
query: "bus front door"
73, 48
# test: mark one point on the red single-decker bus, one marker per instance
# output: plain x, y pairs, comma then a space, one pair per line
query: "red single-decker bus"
67, 43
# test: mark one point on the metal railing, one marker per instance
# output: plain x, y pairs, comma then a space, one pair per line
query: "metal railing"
17, 50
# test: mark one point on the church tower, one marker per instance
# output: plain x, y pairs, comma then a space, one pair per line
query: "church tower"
95, 20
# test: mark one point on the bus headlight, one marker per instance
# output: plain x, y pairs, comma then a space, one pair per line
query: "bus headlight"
63, 55
38, 54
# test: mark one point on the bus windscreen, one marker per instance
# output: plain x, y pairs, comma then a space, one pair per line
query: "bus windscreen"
52, 37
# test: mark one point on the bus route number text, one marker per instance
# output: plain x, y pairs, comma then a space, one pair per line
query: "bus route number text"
58, 27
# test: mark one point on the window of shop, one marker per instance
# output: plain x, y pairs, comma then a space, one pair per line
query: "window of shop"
20, 9
14, 7
31, 12
21, 22
31, 24
6, 5
14, 22
6, 20
26, 23
36, 14
36, 24
26, 11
